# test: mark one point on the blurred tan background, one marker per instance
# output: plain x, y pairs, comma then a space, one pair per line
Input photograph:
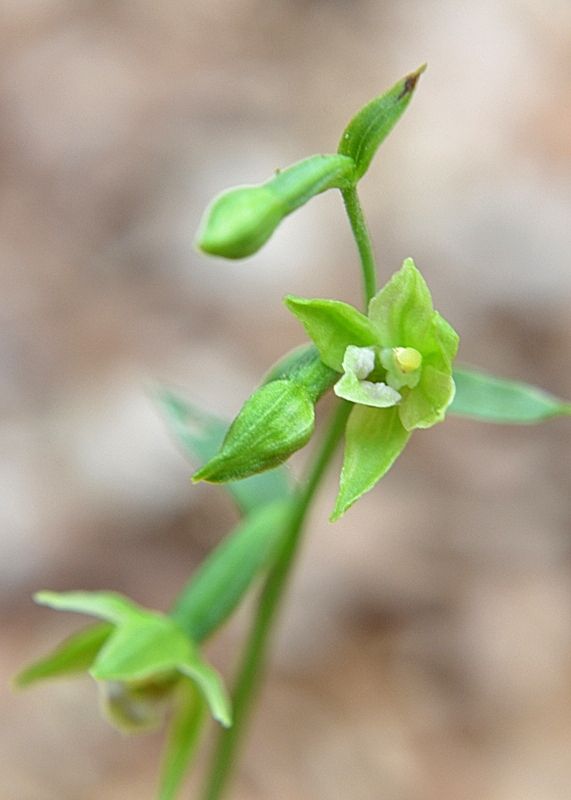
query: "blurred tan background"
425, 651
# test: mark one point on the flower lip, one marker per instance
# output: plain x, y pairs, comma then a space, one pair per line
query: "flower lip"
359, 360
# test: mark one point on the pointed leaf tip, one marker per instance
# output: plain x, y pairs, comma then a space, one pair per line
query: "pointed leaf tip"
372, 124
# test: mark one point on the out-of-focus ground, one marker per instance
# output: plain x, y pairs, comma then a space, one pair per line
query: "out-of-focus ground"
425, 651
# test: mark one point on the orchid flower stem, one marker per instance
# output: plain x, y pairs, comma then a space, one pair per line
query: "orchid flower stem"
363, 240
254, 656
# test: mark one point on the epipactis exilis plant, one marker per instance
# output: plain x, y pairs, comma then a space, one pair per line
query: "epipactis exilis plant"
390, 370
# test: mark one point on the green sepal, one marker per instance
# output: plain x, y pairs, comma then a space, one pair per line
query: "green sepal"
443, 346
72, 657
239, 221
401, 312
370, 127
109, 606
489, 399
333, 326
274, 422
374, 438
201, 435
187, 724
223, 579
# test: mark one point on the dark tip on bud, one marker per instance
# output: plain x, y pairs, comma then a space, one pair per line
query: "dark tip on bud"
411, 80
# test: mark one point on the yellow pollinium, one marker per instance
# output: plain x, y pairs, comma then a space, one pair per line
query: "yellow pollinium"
407, 359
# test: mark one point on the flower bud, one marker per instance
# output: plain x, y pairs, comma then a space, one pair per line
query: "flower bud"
274, 422
239, 221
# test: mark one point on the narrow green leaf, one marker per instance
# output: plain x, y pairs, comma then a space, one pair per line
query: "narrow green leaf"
187, 725
274, 422
490, 399
239, 221
222, 580
333, 326
201, 435
373, 123
109, 606
73, 656
374, 438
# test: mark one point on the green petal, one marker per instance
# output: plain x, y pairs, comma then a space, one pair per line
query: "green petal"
447, 337
377, 395
73, 656
274, 422
188, 721
110, 606
426, 404
402, 311
333, 326
490, 399
370, 127
147, 648
374, 438
441, 344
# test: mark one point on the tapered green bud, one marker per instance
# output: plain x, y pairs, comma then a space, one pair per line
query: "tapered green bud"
239, 221
274, 422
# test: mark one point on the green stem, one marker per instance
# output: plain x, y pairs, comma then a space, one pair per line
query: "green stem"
250, 671
363, 240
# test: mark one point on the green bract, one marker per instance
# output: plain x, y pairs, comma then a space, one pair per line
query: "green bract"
370, 127
397, 369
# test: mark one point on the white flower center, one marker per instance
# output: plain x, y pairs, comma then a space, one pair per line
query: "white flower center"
358, 363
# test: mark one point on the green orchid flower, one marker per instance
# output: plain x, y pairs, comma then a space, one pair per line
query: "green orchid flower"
395, 365
140, 658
